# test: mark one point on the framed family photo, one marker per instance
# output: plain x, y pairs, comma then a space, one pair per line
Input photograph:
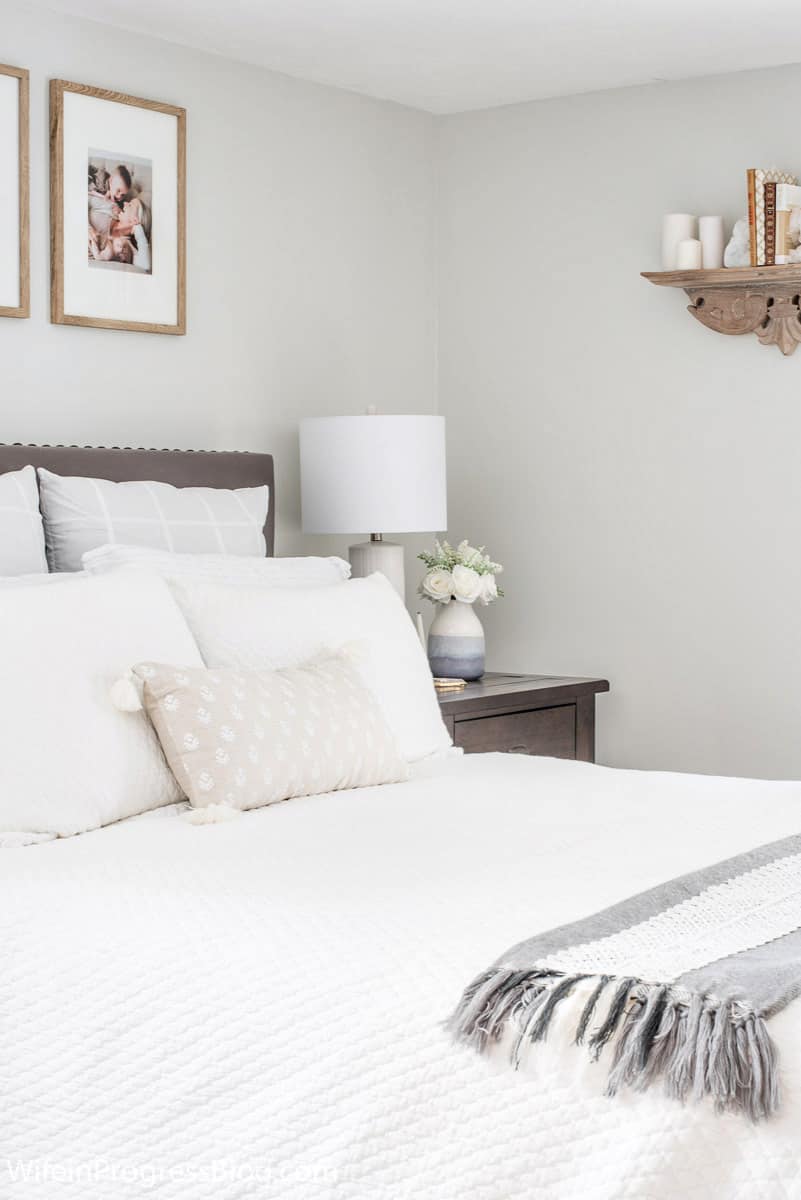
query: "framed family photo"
117, 210
14, 203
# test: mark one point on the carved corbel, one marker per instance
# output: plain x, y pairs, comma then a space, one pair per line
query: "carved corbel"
761, 300
775, 316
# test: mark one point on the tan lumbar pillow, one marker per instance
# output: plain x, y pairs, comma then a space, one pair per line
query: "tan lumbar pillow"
243, 739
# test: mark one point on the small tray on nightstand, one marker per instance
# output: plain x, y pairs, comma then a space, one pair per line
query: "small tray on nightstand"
525, 714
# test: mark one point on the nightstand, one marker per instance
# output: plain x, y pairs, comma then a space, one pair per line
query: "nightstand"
525, 714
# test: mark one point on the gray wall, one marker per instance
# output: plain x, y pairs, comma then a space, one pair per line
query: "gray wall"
638, 474
310, 262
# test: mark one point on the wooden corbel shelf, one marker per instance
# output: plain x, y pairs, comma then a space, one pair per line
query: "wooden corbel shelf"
761, 300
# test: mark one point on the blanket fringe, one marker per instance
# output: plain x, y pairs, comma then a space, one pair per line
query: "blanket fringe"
698, 1046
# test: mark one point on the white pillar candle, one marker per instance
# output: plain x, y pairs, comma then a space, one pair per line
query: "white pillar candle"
688, 255
710, 233
676, 227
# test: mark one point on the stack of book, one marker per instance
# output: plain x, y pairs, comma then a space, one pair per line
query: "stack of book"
774, 217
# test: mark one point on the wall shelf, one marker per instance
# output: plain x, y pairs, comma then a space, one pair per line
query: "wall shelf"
736, 300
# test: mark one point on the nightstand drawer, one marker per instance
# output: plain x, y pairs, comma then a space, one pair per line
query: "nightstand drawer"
548, 731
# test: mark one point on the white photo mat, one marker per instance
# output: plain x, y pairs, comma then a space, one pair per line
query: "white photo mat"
127, 130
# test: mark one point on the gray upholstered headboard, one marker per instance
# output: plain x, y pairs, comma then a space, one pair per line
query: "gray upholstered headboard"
182, 468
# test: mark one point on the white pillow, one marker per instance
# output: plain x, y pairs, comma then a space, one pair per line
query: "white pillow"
39, 578
70, 761
81, 514
22, 544
271, 628
223, 568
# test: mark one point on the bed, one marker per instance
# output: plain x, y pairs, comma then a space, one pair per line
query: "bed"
255, 1008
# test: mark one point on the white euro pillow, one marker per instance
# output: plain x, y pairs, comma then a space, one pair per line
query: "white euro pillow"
222, 568
70, 760
81, 514
270, 629
22, 543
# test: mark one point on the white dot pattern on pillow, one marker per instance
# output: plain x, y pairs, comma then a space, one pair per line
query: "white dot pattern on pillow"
250, 738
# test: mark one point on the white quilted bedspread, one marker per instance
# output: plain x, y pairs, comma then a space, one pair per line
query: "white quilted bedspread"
252, 1009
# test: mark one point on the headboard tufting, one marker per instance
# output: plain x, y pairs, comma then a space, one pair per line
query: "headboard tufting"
182, 468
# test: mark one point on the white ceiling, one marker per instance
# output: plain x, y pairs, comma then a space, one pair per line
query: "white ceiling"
449, 55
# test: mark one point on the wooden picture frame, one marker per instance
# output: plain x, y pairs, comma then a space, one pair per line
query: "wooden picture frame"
23, 280
133, 278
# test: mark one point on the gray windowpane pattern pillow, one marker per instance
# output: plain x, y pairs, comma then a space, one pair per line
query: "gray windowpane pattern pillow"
81, 514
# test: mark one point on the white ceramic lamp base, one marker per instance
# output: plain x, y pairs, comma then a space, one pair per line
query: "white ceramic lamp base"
386, 557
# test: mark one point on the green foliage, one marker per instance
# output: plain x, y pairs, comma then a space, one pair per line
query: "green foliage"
446, 557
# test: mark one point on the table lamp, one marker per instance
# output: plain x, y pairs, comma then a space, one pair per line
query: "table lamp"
377, 474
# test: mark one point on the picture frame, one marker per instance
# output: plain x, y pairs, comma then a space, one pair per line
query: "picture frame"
15, 272
117, 210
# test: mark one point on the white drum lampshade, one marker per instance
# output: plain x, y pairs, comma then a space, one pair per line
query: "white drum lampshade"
376, 475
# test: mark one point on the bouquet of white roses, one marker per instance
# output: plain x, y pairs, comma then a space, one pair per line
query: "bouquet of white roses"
459, 573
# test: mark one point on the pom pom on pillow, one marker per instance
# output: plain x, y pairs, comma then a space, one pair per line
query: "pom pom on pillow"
212, 814
126, 693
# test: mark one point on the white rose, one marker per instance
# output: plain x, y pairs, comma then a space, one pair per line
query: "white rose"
489, 589
438, 585
466, 584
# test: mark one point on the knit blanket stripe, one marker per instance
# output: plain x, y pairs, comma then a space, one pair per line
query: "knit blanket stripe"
678, 982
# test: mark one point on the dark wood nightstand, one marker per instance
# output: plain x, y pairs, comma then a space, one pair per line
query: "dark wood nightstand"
525, 714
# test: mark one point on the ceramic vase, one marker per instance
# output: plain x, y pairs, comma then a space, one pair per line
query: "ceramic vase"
456, 642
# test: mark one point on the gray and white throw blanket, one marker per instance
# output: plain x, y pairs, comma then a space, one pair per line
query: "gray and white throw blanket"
678, 982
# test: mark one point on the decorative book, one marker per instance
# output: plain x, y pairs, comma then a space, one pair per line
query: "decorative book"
770, 224
788, 224
756, 206
751, 177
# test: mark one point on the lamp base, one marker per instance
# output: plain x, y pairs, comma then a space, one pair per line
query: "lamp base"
386, 557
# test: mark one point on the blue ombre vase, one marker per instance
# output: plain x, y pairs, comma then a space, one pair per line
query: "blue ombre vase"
456, 642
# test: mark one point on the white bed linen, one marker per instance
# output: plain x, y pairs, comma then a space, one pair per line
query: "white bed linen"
251, 1009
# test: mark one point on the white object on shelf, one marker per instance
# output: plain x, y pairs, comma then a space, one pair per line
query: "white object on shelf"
738, 251
676, 227
688, 255
710, 234
379, 474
